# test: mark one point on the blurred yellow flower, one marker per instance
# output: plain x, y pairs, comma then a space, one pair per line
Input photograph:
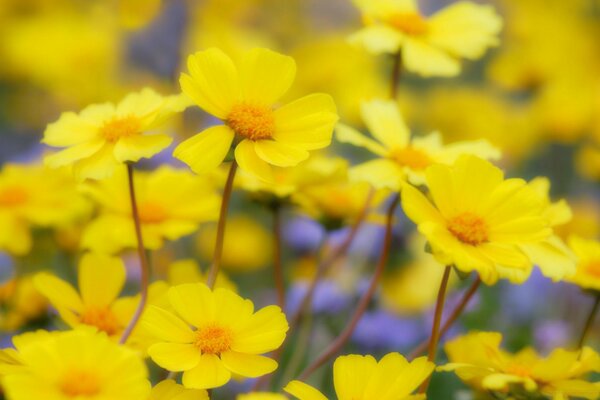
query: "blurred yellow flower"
171, 203
479, 361
430, 46
89, 366
585, 221
243, 98
400, 154
170, 390
261, 396
477, 220
188, 271
213, 334
20, 303
103, 136
587, 274
34, 196
363, 377
135, 14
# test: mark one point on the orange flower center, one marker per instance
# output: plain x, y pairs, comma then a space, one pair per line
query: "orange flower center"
593, 268
469, 228
102, 318
213, 339
152, 213
118, 128
12, 196
409, 23
412, 158
254, 122
78, 383
519, 370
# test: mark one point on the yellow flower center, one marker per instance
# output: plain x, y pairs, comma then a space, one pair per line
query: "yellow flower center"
469, 228
409, 23
152, 213
213, 339
593, 268
254, 122
12, 196
76, 383
118, 128
519, 370
412, 158
102, 318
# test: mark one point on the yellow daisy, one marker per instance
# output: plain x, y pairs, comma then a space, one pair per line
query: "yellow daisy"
102, 136
213, 335
171, 204
170, 390
479, 361
90, 366
587, 274
20, 303
400, 154
477, 220
244, 97
364, 378
430, 46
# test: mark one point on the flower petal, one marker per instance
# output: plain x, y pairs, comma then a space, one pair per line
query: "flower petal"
70, 129
249, 161
193, 302
385, 123
262, 332
133, 148
206, 150
347, 134
266, 75
72, 154
280, 154
303, 391
60, 293
166, 326
175, 356
378, 39
209, 373
101, 279
248, 365
98, 166
422, 58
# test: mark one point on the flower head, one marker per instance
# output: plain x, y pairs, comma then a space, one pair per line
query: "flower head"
261, 396
213, 334
587, 274
244, 97
363, 378
170, 390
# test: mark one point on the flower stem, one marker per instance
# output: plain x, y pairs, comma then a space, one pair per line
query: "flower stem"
277, 264
144, 264
435, 329
341, 340
218, 253
589, 322
396, 75
422, 347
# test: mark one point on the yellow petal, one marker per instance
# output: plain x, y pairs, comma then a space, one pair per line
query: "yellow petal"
351, 374
206, 150
381, 173
423, 59
378, 39
100, 165
263, 332
265, 76
75, 153
386, 123
213, 83
101, 279
248, 365
170, 390
133, 148
193, 302
209, 373
417, 207
163, 325
303, 391
248, 160
175, 356
60, 293
280, 154
347, 134
70, 129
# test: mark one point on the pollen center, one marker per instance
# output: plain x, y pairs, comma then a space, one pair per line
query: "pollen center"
77, 383
593, 268
254, 122
409, 23
152, 213
213, 339
118, 128
469, 228
12, 196
412, 158
102, 318
519, 370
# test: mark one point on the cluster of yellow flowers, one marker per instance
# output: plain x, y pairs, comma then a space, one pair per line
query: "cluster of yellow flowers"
175, 331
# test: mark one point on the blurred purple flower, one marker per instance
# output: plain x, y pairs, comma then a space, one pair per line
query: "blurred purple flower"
551, 334
380, 330
303, 235
328, 298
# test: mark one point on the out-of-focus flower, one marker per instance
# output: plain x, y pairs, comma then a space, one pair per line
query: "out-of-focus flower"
400, 155
34, 196
21, 303
303, 235
261, 396
188, 271
171, 204
243, 98
587, 274
478, 360
103, 136
363, 377
171, 390
329, 297
587, 161
380, 330
247, 245
478, 220
430, 46
585, 221
213, 335
135, 14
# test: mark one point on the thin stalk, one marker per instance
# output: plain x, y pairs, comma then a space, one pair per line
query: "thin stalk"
396, 75
589, 322
341, 340
277, 264
144, 264
435, 329
218, 253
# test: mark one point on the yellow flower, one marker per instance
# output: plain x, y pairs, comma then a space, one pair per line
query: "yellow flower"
188, 271
136, 14
478, 220
587, 274
478, 360
363, 378
20, 303
103, 136
90, 366
261, 396
170, 390
243, 98
213, 335
430, 46
400, 154
34, 196
171, 203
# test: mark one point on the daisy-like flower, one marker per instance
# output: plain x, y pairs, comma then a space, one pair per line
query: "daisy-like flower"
587, 273
402, 156
170, 390
76, 365
244, 97
102, 136
358, 377
171, 204
430, 46
477, 220
212, 335
479, 361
